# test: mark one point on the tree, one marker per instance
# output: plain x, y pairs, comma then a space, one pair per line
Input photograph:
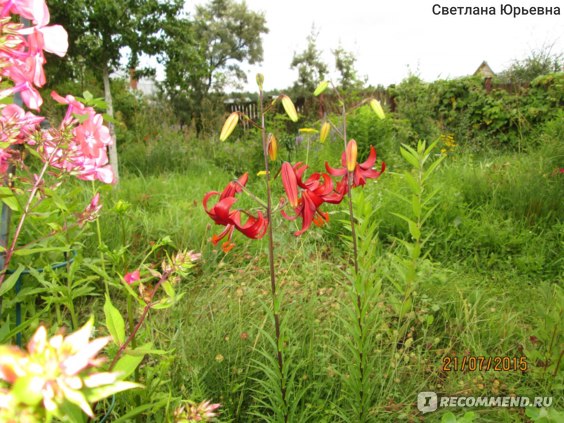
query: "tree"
100, 30
345, 66
205, 55
539, 62
311, 69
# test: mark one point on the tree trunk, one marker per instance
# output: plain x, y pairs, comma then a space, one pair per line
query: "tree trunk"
110, 112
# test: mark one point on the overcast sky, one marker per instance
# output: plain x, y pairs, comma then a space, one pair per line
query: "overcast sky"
392, 38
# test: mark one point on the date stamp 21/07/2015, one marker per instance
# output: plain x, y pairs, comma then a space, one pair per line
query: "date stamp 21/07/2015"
468, 363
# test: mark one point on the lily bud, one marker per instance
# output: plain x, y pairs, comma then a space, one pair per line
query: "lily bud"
320, 88
272, 147
351, 155
260, 80
229, 126
325, 130
377, 107
289, 108
308, 131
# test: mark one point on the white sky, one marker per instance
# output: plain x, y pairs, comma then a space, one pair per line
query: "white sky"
390, 38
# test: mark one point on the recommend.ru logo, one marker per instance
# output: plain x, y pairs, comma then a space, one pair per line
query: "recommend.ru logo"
430, 401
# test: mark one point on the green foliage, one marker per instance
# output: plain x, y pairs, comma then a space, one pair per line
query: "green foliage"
415, 103
539, 62
345, 66
500, 117
367, 130
451, 418
544, 415
99, 30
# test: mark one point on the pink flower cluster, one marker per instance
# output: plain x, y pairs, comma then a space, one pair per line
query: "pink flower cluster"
79, 145
21, 49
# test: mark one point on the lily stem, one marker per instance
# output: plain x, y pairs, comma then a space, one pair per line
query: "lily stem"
359, 302
275, 303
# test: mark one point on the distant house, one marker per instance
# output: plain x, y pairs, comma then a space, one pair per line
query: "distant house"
147, 86
484, 70
487, 73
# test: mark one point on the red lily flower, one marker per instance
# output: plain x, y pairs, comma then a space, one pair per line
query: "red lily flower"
221, 213
360, 171
316, 190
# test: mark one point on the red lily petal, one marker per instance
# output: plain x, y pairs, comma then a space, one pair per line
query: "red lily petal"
336, 172
358, 177
222, 210
289, 180
234, 188
206, 198
288, 217
370, 160
255, 227
308, 212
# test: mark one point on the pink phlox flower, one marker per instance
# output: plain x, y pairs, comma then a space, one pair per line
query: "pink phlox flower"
34, 10
92, 136
75, 107
52, 39
23, 76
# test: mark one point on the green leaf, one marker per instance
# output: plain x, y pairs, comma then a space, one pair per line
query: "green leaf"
12, 279
114, 322
101, 392
430, 148
169, 289
81, 117
127, 364
448, 418
146, 349
7, 197
142, 408
29, 251
413, 184
468, 417
71, 412
414, 230
410, 158
434, 166
109, 119
87, 95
